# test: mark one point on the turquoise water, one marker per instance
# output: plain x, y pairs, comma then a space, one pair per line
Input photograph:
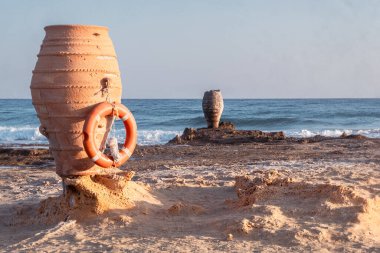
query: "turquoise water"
159, 120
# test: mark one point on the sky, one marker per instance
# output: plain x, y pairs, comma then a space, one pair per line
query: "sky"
179, 49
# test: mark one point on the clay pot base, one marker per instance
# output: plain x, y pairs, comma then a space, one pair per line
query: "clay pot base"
86, 196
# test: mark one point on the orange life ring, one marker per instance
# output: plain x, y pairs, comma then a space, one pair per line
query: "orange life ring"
102, 110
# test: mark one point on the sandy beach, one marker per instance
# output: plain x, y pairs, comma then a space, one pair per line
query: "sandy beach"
278, 196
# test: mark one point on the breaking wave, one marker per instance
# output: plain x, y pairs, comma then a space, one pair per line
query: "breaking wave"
372, 133
21, 135
31, 135
152, 137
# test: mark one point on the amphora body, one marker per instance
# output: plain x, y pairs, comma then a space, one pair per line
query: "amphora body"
212, 106
76, 70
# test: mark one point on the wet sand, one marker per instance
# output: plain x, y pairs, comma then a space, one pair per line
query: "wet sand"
284, 195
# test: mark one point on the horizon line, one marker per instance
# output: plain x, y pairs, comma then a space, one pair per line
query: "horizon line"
231, 98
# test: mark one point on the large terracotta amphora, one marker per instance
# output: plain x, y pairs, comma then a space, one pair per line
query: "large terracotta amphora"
76, 70
212, 106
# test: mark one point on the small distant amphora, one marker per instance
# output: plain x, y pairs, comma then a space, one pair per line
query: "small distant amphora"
212, 105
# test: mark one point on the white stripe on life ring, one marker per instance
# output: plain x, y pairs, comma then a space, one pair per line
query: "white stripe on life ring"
97, 118
125, 117
95, 158
127, 151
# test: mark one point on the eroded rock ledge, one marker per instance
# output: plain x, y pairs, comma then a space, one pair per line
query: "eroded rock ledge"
225, 134
228, 134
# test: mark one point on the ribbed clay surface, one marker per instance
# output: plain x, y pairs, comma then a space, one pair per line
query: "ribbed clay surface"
212, 106
74, 65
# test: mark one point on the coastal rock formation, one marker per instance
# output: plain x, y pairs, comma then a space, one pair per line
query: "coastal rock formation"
225, 134
212, 106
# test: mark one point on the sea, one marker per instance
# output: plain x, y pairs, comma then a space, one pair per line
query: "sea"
159, 120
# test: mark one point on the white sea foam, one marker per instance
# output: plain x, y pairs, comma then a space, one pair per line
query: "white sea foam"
150, 137
374, 133
31, 135
147, 137
24, 134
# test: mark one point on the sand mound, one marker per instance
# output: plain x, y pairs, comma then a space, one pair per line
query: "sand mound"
92, 195
281, 205
273, 185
